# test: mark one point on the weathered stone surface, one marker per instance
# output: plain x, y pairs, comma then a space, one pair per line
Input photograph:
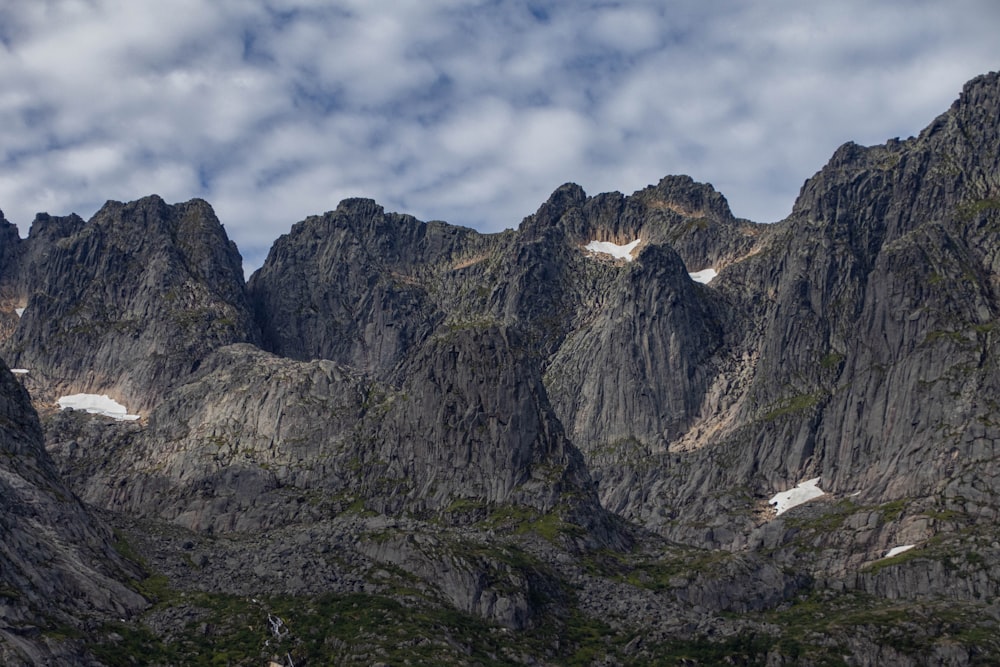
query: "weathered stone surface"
354, 285
474, 387
57, 563
470, 424
128, 303
474, 421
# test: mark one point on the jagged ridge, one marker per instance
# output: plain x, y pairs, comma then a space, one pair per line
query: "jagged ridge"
432, 373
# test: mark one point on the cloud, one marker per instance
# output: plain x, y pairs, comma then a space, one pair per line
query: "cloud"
471, 111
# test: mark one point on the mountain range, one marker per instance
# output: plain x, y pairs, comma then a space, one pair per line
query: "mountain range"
634, 430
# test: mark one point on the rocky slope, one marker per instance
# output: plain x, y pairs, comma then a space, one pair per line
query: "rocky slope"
441, 437
866, 320
127, 303
354, 285
59, 571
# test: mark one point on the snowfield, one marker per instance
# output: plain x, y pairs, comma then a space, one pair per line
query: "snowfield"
613, 249
625, 252
895, 551
803, 493
97, 405
704, 276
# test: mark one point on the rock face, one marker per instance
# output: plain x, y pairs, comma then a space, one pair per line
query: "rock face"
454, 432
474, 422
493, 420
354, 285
127, 303
57, 563
866, 323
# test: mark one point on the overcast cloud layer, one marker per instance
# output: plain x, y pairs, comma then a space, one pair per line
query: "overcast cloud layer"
466, 111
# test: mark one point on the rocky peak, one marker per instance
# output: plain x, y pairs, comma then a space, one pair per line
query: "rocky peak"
866, 291
54, 227
10, 251
128, 302
360, 209
683, 195
562, 199
354, 285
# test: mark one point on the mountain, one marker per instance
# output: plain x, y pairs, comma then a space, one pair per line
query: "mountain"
128, 302
59, 571
406, 440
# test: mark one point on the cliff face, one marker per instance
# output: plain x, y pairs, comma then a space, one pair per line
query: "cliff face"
236, 447
354, 285
127, 303
58, 567
497, 419
866, 326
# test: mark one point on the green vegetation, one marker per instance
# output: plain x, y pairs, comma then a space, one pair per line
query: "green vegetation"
402, 625
829, 522
407, 621
911, 628
658, 574
892, 510
790, 406
831, 360
971, 209
9, 592
520, 520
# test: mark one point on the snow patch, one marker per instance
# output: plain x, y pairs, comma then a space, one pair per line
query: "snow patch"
613, 249
19, 371
804, 492
895, 551
19, 311
97, 405
704, 276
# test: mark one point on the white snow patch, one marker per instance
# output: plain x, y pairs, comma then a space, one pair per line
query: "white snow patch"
704, 276
19, 371
19, 311
895, 551
97, 405
613, 249
804, 492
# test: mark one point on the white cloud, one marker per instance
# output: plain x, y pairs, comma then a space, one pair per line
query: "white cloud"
467, 111
548, 141
479, 130
628, 29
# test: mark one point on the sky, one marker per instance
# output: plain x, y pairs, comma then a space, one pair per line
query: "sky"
469, 111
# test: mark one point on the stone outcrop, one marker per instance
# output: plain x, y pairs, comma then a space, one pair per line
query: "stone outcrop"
356, 285
470, 425
127, 303
517, 390
58, 568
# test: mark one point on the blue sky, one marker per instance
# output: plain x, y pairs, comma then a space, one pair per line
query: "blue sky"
465, 111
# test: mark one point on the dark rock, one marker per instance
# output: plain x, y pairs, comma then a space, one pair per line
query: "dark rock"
58, 563
431, 396
128, 303
354, 285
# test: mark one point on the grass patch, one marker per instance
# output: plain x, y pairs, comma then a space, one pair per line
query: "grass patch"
831, 360
521, 520
816, 626
892, 510
971, 209
790, 406
828, 522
